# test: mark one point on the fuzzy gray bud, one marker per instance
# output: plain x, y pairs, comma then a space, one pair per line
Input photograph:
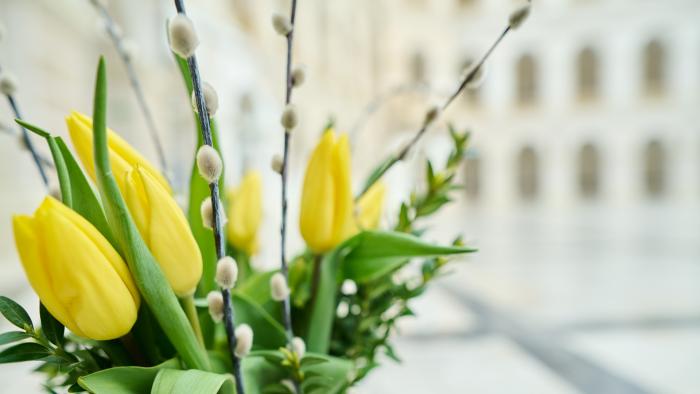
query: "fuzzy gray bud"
518, 16
431, 115
290, 117
8, 84
281, 24
226, 272
211, 99
278, 287
209, 163
298, 346
277, 163
215, 301
244, 340
298, 75
183, 37
207, 212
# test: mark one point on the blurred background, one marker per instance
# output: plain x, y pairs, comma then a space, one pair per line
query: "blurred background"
581, 187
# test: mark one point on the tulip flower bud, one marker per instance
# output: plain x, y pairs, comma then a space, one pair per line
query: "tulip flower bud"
277, 163
165, 230
290, 117
282, 24
183, 37
326, 214
209, 163
244, 340
518, 16
298, 346
278, 287
369, 207
211, 99
122, 156
8, 84
215, 301
298, 76
75, 271
245, 213
226, 272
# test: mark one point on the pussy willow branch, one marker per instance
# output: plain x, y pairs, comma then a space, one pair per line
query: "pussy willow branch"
286, 304
118, 42
203, 114
27, 141
469, 77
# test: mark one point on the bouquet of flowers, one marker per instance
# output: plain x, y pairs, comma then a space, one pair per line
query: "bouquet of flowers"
140, 296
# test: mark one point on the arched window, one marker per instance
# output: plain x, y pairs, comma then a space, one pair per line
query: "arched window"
472, 176
654, 68
654, 168
418, 67
526, 80
588, 171
528, 178
587, 64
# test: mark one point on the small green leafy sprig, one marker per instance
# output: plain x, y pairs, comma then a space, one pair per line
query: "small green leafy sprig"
63, 358
439, 185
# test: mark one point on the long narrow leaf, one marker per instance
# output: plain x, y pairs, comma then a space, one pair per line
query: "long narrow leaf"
148, 276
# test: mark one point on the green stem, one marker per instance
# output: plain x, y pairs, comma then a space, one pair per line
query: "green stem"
187, 303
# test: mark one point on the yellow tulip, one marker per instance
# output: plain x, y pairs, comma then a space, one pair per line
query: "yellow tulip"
245, 213
326, 216
164, 228
79, 277
369, 207
122, 156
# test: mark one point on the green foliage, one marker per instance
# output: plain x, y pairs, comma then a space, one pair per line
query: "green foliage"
15, 314
365, 257
438, 187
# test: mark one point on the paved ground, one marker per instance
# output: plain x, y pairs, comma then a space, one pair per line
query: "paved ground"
597, 301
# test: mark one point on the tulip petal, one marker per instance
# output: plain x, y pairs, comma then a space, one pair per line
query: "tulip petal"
245, 213
122, 156
316, 217
84, 279
28, 247
370, 206
171, 240
344, 225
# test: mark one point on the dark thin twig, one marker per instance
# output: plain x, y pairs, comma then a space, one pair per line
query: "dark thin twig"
469, 77
28, 142
285, 160
116, 38
215, 203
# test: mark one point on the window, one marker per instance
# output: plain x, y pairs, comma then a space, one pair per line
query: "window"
588, 171
472, 178
654, 68
587, 64
418, 67
527, 171
526, 80
654, 168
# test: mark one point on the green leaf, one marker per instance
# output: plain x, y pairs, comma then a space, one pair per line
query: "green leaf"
23, 352
333, 374
15, 314
172, 381
258, 373
379, 252
269, 333
52, 328
123, 380
364, 257
149, 278
13, 336
377, 173
85, 200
